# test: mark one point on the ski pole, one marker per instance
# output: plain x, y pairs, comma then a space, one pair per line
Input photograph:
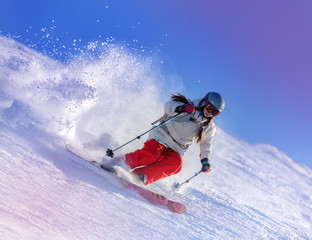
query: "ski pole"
161, 118
178, 185
110, 152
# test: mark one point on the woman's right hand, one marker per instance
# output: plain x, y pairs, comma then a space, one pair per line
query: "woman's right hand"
205, 165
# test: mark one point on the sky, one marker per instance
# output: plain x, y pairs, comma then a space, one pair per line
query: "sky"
257, 54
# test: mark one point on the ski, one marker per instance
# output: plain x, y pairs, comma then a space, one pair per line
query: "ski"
151, 197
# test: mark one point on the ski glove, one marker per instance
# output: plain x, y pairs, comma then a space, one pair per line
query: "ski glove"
205, 165
189, 108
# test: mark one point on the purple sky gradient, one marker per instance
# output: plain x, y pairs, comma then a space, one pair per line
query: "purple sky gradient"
257, 54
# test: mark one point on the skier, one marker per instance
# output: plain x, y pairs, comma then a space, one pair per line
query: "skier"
161, 155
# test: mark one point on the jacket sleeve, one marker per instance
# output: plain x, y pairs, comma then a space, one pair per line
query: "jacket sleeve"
171, 106
206, 143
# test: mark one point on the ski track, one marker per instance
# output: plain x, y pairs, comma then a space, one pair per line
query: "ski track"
252, 192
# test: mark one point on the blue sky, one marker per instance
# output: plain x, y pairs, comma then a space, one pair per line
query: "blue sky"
257, 54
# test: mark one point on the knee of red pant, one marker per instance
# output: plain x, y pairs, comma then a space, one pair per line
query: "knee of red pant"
154, 147
150, 153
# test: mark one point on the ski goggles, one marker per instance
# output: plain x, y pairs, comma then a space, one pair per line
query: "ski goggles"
211, 109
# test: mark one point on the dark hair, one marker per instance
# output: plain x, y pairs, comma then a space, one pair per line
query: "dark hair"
181, 98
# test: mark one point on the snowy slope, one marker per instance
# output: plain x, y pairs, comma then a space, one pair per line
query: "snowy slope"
253, 191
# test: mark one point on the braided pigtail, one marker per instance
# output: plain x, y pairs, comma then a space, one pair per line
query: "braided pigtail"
201, 132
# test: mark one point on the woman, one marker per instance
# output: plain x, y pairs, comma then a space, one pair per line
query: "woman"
161, 155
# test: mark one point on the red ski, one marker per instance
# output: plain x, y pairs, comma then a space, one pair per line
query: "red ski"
151, 197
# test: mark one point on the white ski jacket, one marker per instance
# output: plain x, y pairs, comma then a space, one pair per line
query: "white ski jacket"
179, 133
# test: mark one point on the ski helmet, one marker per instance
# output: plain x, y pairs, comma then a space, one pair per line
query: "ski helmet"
216, 100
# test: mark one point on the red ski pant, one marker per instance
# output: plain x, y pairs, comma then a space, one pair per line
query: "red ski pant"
155, 161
